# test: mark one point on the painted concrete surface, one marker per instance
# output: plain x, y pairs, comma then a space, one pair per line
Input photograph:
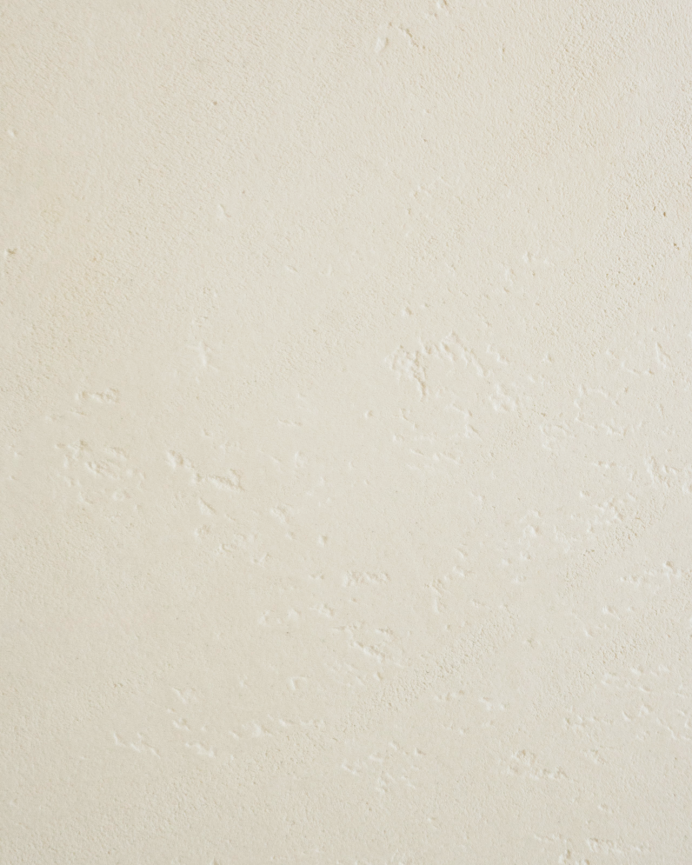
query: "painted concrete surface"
346, 432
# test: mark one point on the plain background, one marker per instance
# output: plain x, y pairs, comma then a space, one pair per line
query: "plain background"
345, 432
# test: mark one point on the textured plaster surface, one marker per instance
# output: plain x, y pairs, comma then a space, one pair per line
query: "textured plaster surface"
346, 432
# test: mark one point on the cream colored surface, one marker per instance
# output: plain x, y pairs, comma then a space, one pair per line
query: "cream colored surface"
346, 432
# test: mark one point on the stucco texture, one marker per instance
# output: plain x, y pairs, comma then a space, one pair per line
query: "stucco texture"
346, 432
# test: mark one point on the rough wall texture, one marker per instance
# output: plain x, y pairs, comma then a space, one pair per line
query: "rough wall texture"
346, 436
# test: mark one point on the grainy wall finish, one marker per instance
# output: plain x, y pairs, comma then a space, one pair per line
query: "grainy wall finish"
346, 432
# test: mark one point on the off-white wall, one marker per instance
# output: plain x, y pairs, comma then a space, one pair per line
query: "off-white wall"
346, 432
